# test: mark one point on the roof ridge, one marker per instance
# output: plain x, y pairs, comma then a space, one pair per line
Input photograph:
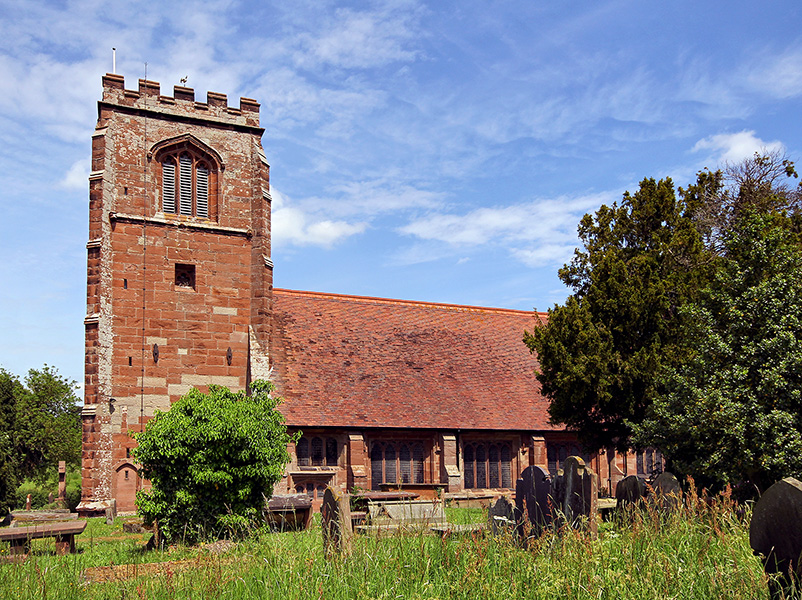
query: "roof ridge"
378, 300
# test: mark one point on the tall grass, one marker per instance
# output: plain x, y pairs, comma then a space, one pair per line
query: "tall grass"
698, 551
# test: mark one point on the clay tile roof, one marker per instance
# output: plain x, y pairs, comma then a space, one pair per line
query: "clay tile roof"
349, 361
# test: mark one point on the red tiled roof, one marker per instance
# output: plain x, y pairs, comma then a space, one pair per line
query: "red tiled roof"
349, 361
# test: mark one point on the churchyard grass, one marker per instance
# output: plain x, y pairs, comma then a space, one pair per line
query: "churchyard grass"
701, 551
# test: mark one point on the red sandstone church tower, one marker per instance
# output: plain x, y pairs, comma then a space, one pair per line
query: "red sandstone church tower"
179, 275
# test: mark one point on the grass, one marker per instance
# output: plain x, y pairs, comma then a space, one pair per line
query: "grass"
698, 552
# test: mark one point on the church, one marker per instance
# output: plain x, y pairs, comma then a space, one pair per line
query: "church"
433, 398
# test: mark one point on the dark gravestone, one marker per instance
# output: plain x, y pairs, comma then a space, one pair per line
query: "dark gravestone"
630, 491
533, 499
336, 523
580, 506
775, 532
501, 517
667, 491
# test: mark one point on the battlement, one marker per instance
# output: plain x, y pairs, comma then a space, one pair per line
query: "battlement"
182, 102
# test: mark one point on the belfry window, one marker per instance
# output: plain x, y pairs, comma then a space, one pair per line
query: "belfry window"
185, 184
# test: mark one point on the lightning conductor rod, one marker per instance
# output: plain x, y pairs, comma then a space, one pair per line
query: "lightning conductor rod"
114, 60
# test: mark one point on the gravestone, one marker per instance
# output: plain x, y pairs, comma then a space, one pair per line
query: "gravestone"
580, 506
336, 523
533, 501
501, 517
616, 474
775, 533
630, 491
111, 511
667, 491
62, 484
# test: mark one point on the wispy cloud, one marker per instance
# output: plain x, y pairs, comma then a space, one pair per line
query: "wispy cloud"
777, 74
538, 233
361, 39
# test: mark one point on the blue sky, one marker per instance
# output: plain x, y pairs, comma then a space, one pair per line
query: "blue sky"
440, 151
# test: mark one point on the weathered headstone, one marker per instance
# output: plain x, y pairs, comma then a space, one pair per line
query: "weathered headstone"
630, 491
501, 517
616, 474
775, 532
62, 484
110, 511
533, 501
336, 523
667, 491
581, 494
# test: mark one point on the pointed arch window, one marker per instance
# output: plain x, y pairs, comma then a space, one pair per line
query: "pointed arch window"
187, 174
487, 465
396, 462
185, 185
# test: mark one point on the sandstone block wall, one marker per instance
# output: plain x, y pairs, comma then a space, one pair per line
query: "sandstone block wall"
151, 336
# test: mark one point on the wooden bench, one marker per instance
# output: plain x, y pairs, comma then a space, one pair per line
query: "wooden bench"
20, 537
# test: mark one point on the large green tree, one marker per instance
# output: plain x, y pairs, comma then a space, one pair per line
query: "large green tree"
39, 426
9, 478
212, 460
732, 411
640, 260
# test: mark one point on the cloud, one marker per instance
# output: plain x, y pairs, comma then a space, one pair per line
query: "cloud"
77, 176
777, 75
538, 233
378, 196
361, 39
292, 226
735, 147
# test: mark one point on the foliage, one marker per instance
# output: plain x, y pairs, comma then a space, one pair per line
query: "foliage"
41, 489
8, 457
39, 426
699, 552
212, 459
641, 260
733, 411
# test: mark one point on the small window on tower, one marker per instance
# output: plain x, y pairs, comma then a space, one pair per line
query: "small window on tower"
185, 276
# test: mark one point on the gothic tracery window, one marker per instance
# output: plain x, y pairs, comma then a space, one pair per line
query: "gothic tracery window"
396, 462
317, 452
557, 452
487, 465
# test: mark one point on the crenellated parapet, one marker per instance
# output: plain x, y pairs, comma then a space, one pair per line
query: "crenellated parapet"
148, 96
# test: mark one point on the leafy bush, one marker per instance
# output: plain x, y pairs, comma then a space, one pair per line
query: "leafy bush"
212, 460
41, 487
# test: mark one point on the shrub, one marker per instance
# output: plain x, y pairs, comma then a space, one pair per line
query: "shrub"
212, 461
41, 487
